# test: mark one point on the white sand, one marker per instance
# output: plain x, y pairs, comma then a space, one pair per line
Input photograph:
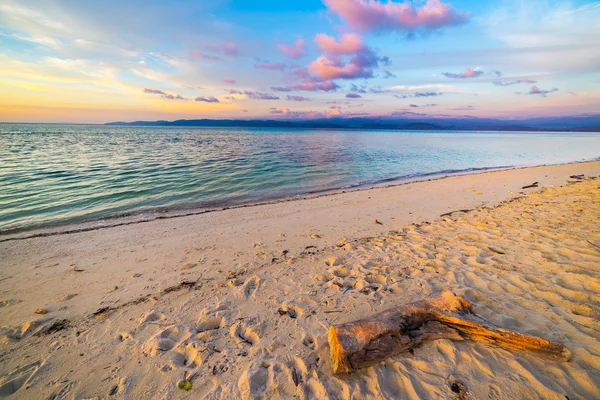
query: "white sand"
246, 264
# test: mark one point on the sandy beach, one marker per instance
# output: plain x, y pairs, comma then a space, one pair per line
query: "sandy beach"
238, 302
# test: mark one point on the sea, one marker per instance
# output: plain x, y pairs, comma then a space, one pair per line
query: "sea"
96, 175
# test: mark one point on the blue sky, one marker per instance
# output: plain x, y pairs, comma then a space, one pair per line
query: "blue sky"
99, 61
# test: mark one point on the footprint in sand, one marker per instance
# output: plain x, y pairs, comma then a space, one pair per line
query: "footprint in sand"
14, 381
120, 388
310, 341
63, 391
340, 272
244, 334
324, 278
152, 316
191, 356
210, 323
164, 341
290, 310
376, 279
121, 337
251, 286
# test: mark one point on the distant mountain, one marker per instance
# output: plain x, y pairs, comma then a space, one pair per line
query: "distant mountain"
408, 121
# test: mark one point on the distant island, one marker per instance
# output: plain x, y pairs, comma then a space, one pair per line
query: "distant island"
579, 123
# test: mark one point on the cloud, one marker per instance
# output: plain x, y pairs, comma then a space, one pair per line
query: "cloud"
154, 91
207, 99
333, 111
270, 66
297, 98
371, 15
173, 97
295, 50
290, 114
536, 90
229, 81
515, 82
261, 96
353, 96
378, 90
417, 94
358, 89
325, 86
469, 73
164, 95
281, 89
463, 108
388, 74
331, 65
438, 88
326, 68
426, 94
349, 43
254, 94
422, 105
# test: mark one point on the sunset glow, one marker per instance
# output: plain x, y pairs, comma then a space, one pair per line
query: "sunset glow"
64, 61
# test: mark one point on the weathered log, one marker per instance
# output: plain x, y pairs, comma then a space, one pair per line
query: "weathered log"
362, 343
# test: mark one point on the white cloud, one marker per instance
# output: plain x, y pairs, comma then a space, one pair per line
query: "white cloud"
441, 88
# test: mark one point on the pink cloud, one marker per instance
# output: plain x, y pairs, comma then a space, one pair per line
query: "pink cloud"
536, 90
334, 111
308, 87
295, 50
371, 15
229, 81
469, 73
349, 43
332, 65
325, 68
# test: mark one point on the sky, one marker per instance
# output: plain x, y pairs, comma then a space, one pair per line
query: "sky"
115, 60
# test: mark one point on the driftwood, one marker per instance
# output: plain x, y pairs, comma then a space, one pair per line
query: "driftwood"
362, 343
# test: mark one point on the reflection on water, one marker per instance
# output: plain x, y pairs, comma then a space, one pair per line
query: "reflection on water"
56, 174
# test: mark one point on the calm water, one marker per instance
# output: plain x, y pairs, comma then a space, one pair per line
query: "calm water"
61, 174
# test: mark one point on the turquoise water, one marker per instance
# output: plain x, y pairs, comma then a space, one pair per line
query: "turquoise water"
61, 174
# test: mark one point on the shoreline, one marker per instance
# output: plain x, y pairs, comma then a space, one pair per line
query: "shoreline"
240, 301
119, 220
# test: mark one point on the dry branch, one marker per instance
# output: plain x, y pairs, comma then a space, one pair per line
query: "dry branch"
362, 343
